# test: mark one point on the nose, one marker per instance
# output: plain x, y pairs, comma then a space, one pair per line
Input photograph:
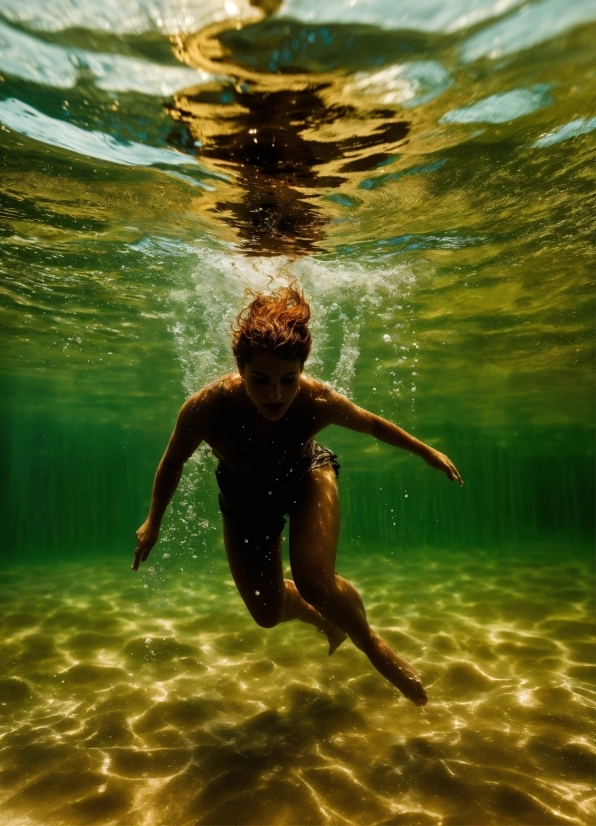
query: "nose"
275, 392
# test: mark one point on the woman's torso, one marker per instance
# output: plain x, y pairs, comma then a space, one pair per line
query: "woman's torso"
249, 444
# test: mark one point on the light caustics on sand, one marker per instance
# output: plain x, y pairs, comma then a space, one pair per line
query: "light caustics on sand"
159, 701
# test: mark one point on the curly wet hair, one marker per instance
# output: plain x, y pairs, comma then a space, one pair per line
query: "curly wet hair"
275, 322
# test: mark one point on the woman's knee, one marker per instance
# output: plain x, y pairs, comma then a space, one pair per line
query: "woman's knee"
267, 613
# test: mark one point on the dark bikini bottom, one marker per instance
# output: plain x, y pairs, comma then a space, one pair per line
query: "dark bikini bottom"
257, 508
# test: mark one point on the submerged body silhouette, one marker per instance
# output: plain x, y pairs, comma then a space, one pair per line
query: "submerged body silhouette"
261, 423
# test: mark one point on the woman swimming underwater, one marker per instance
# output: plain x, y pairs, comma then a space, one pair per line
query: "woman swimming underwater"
261, 423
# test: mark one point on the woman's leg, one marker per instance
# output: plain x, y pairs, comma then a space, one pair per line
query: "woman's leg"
314, 531
270, 598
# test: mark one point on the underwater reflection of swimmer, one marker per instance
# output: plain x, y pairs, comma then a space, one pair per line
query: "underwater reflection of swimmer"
261, 423
282, 139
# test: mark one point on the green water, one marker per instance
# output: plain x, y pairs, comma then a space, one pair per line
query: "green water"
425, 172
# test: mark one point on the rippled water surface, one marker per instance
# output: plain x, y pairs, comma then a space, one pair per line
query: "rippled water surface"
425, 171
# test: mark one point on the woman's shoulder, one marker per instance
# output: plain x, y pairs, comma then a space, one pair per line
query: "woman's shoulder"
313, 391
212, 395
322, 402
231, 387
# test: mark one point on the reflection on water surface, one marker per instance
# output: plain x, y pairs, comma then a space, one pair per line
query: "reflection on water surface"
263, 146
285, 136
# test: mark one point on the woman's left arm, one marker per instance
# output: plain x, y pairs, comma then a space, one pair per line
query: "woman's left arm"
341, 411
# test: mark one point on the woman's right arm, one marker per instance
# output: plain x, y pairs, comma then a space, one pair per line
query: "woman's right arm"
187, 436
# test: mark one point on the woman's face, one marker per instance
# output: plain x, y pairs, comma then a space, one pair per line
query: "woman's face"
271, 383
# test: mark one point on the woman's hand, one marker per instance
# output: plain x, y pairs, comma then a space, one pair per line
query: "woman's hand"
443, 463
147, 536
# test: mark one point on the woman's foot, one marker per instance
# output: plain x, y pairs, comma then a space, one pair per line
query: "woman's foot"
408, 682
413, 689
394, 669
335, 637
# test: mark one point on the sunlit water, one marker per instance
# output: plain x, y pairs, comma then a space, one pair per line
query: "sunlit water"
425, 171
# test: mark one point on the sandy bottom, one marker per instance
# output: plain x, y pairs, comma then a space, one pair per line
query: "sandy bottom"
165, 705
